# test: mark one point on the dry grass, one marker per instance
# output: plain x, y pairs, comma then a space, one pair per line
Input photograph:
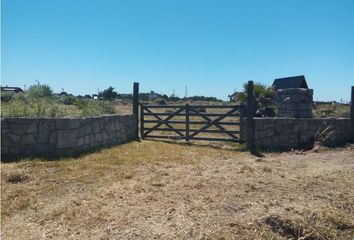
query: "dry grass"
73, 110
176, 191
329, 110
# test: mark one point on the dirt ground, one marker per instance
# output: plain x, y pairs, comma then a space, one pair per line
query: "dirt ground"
160, 190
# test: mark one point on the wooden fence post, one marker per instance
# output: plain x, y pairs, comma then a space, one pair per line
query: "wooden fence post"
352, 112
250, 121
136, 107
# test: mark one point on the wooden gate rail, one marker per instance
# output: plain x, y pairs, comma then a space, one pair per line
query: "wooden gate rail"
192, 122
191, 114
199, 106
193, 130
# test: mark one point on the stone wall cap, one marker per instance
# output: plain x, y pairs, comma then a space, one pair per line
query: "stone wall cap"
333, 118
274, 118
294, 89
285, 118
65, 117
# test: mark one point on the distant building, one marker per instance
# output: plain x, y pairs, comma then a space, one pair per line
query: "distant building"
94, 96
290, 82
87, 96
153, 96
233, 97
11, 89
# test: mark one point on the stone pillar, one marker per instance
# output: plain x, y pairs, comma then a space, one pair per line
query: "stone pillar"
295, 102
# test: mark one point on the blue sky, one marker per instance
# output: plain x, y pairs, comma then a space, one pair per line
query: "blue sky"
210, 46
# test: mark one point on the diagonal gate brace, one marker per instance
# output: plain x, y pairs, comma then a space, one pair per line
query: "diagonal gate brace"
213, 122
164, 121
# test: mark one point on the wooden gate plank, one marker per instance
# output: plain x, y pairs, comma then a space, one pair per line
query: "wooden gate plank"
193, 122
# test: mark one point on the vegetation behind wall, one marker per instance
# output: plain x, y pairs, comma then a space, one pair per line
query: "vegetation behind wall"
39, 101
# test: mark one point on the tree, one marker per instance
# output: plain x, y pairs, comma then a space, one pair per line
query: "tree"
264, 95
108, 94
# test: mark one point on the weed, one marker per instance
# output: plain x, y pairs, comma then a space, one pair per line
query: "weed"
325, 223
17, 178
328, 136
267, 169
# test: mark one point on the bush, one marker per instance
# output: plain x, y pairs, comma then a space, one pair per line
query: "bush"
20, 96
95, 108
39, 101
67, 100
29, 108
6, 96
39, 91
160, 101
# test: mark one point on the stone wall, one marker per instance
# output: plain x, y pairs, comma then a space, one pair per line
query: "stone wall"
64, 136
287, 133
294, 102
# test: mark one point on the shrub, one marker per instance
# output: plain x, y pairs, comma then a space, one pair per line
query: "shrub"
20, 96
160, 101
29, 108
67, 100
6, 96
39, 91
94, 108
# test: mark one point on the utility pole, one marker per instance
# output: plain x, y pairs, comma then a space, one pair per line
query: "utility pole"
186, 92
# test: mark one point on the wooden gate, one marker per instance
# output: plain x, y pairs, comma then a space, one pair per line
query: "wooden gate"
192, 122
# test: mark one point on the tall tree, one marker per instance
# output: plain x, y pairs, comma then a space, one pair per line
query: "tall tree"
108, 94
264, 95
